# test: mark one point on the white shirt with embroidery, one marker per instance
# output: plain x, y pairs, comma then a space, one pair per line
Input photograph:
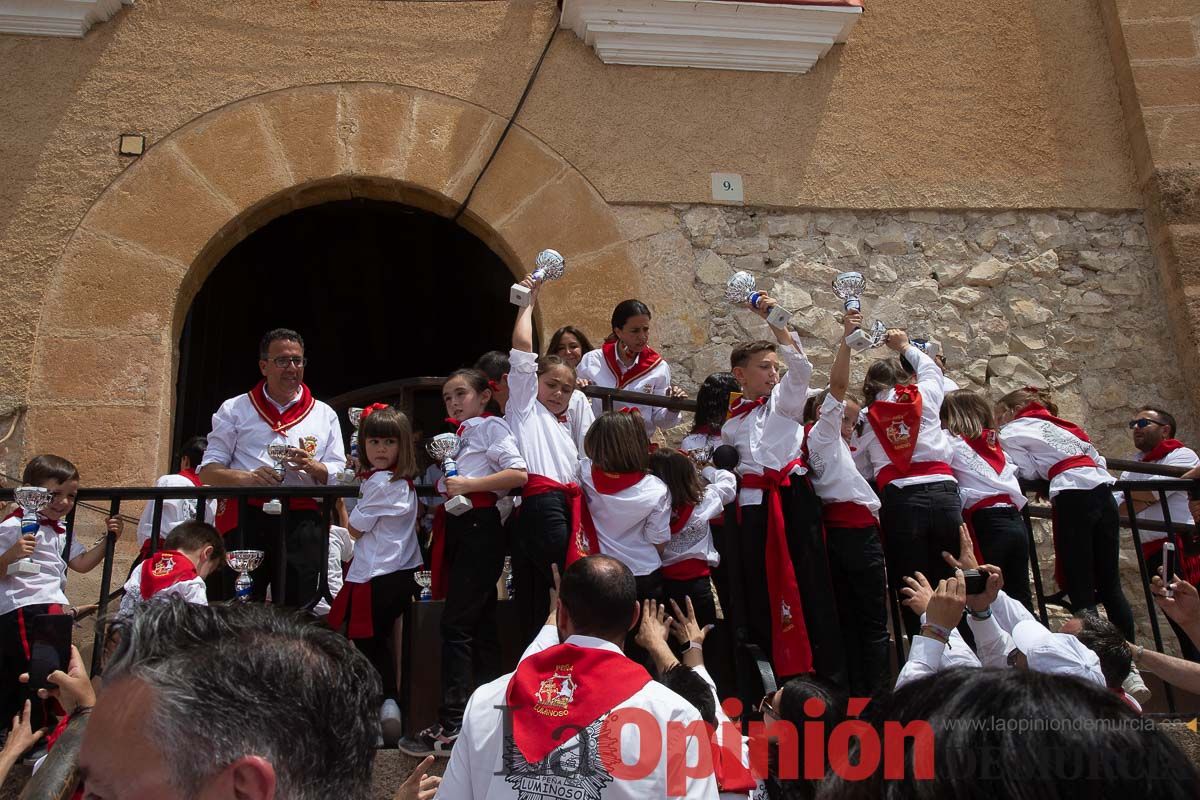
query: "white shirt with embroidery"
694, 540
977, 479
192, 591
831, 468
1035, 446
487, 446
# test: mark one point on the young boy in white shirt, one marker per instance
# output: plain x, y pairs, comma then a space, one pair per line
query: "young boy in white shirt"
191, 552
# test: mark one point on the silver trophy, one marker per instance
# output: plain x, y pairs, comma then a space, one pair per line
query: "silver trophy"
243, 562
277, 453
348, 475
849, 286
929, 347
700, 456
549, 266
739, 290
31, 499
424, 579
442, 449
506, 573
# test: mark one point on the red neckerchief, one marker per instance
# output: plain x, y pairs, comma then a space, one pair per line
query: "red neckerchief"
679, 519
266, 408
1161, 450
191, 476
987, 445
49, 523
461, 425
646, 361
740, 406
1038, 411
705, 430
896, 424
163, 570
564, 689
613, 482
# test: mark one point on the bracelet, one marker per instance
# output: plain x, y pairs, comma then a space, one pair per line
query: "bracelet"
935, 632
980, 615
1137, 654
694, 646
944, 632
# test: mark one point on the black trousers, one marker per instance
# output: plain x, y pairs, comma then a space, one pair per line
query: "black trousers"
919, 522
1004, 542
391, 595
1088, 544
756, 603
1187, 647
15, 630
810, 561
857, 568
473, 555
541, 533
307, 544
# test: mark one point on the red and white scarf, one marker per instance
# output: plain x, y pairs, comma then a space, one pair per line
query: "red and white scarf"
646, 361
163, 570
281, 422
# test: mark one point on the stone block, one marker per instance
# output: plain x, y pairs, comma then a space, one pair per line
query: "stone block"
1030, 312
711, 269
1008, 373
1167, 84
519, 178
989, 273
107, 368
888, 239
305, 123
704, 224
1050, 231
449, 142
1174, 134
1130, 10
637, 222
795, 225
843, 246
1151, 40
964, 297
745, 246
111, 445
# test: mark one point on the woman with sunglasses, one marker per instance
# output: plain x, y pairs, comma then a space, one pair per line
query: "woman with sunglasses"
1086, 522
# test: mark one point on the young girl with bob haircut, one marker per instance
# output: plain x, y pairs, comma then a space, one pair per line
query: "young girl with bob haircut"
991, 496
1086, 524
626, 361
379, 584
467, 554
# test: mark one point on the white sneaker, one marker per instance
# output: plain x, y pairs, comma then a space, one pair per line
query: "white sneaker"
389, 720
1135, 687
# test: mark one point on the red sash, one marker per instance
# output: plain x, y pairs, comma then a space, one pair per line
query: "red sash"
354, 598
1070, 463
277, 422
646, 361
897, 424
690, 568
579, 544
1161, 450
731, 774
791, 652
563, 690
163, 570
987, 445
437, 555
847, 514
740, 407
1038, 411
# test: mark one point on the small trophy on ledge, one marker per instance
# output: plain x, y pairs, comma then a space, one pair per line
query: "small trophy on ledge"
549, 266
739, 290
424, 579
348, 475
277, 453
849, 287
243, 562
442, 449
31, 499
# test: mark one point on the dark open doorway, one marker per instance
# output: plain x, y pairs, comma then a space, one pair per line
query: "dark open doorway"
378, 290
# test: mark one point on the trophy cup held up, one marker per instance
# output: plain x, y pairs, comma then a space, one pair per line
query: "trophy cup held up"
277, 453
849, 286
443, 448
549, 266
424, 579
739, 290
348, 475
701, 457
31, 499
243, 562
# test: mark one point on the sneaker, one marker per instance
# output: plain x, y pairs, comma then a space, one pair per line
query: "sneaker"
389, 720
1135, 687
433, 741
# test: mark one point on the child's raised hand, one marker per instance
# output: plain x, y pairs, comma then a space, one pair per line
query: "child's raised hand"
115, 526
897, 340
851, 322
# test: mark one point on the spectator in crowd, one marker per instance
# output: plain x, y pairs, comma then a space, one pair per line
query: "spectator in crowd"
1102, 638
190, 553
175, 511
1182, 607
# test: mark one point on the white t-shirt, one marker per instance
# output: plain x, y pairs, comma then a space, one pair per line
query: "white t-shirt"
546, 443
46, 586
1177, 502
1036, 445
656, 380
694, 540
386, 514
173, 511
629, 523
192, 591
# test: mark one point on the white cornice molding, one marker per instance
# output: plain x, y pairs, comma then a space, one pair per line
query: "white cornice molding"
710, 34
70, 18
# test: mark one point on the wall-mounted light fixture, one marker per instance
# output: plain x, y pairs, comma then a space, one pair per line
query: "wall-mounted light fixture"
131, 144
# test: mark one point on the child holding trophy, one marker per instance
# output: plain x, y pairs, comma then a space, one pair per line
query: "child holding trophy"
379, 584
548, 523
33, 571
468, 551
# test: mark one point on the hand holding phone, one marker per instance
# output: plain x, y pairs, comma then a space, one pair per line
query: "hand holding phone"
49, 647
1170, 565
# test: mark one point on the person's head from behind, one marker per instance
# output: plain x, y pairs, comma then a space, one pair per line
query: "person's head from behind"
881, 377
494, 364
200, 542
967, 414
755, 365
1151, 426
597, 597
1060, 737
1106, 641
806, 699
242, 701
387, 442
1012, 403
679, 474
192, 453
569, 343
556, 383
687, 683
59, 476
281, 361
712, 401
617, 442
466, 394
631, 327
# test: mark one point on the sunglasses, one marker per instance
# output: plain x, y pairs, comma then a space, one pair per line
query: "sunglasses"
1141, 423
765, 706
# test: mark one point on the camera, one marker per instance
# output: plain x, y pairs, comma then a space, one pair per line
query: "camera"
976, 581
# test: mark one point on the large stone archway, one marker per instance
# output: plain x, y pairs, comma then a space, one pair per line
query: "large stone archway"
104, 362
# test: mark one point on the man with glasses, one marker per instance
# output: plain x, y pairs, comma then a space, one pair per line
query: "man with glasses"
1154, 431
279, 410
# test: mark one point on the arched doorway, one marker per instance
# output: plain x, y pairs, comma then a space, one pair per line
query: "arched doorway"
378, 290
